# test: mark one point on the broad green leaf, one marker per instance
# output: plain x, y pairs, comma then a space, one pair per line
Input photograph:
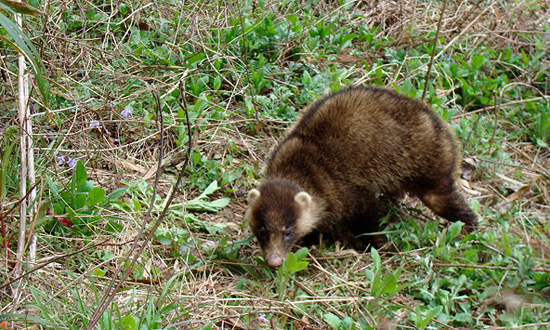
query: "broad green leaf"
433, 312
96, 195
301, 253
87, 186
220, 203
212, 187
390, 283
130, 322
217, 228
99, 271
333, 320
454, 230
206, 206
79, 177
542, 143
79, 201
477, 61
115, 194
300, 265
291, 261
375, 259
376, 284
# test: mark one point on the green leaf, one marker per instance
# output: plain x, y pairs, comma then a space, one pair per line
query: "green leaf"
22, 44
347, 324
99, 271
433, 312
542, 143
79, 201
477, 61
79, 177
3, 167
212, 187
463, 317
113, 227
28, 318
300, 265
454, 230
87, 186
375, 259
217, 82
376, 284
115, 194
291, 261
130, 322
390, 283
301, 253
217, 228
220, 203
207, 327
333, 320
206, 206
96, 195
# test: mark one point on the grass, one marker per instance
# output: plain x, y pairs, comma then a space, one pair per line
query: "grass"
248, 69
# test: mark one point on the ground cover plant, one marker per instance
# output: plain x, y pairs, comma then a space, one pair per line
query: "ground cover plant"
208, 87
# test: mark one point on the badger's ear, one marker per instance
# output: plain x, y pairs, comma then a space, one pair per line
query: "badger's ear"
303, 199
253, 196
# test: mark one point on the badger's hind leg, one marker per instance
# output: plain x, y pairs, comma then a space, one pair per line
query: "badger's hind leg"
364, 223
447, 202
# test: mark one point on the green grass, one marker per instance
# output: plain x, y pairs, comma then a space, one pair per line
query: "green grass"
248, 69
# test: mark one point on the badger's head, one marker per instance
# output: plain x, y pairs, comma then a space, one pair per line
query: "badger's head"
279, 214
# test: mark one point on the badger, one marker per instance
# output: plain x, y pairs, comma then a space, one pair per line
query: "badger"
349, 148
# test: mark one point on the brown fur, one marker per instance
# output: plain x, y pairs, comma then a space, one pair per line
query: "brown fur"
347, 149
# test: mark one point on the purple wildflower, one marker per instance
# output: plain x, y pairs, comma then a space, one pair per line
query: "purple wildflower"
94, 123
262, 318
60, 160
127, 111
71, 162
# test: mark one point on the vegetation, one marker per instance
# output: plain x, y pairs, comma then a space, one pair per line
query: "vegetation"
247, 68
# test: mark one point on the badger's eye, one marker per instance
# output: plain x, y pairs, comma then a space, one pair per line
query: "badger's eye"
288, 233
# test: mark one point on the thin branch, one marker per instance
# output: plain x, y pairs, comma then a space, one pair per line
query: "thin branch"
110, 291
430, 64
91, 246
161, 154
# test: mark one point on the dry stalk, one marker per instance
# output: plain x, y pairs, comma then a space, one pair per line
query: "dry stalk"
436, 38
110, 291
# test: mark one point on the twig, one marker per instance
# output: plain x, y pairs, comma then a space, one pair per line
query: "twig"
23, 84
523, 326
161, 154
452, 42
546, 97
441, 264
110, 292
49, 262
436, 37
